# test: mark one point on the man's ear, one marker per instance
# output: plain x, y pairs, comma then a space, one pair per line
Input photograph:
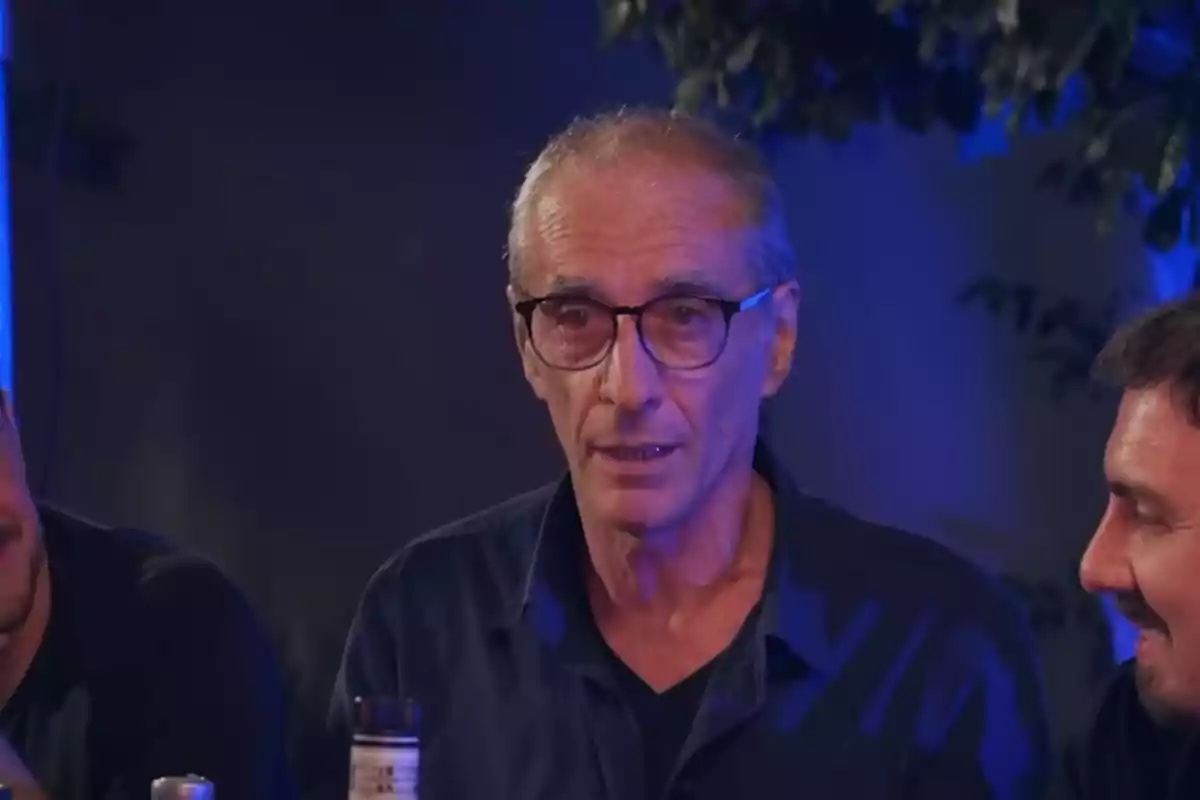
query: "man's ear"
530, 363
785, 301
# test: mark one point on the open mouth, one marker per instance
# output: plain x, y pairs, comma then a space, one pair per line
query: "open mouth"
636, 453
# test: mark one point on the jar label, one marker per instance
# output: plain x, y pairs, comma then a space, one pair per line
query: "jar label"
383, 773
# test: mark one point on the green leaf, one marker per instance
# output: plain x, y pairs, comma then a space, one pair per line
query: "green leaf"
1008, 15
1020, 111
668, 42
770, 104
1079, 51
1114, 195
617, 19
1171, 159
931, 38
743, 55
1097, 146
724, 97
693, 90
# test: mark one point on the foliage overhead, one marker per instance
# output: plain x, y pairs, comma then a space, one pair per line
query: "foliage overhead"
1122, 74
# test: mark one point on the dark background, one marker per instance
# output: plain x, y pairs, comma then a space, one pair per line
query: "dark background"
272, 322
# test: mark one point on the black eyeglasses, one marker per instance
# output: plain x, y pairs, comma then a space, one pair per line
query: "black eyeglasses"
681, 332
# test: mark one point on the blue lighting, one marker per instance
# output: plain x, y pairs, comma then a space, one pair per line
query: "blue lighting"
991, 138
1173, 272
6, 333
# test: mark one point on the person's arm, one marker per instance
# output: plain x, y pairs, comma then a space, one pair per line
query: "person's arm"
16, 776
982, 725
209, 693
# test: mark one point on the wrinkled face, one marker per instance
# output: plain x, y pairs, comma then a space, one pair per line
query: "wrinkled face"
646, 444
1146, 551
21, 554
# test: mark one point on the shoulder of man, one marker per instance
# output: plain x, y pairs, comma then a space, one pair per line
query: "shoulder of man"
129, 587
487, 554
908, 573
982, 702
429, 593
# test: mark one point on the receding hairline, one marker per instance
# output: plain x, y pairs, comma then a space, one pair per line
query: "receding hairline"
666, 138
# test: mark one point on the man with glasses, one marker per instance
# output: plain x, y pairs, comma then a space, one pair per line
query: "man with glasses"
673, 618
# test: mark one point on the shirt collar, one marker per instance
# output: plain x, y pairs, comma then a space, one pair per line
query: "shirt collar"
793, 607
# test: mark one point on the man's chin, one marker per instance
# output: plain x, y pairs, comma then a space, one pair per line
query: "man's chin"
1161, 705
626, 511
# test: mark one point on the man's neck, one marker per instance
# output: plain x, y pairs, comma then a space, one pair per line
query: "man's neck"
663, 572
18, 648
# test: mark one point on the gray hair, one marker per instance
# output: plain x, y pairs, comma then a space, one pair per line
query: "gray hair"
672, 136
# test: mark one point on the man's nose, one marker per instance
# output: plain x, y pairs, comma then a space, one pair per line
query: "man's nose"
631, 378
1105, 564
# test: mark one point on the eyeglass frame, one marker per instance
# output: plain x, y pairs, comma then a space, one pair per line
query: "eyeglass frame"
728, 308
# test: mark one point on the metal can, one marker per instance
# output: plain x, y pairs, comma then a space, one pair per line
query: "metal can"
189, 787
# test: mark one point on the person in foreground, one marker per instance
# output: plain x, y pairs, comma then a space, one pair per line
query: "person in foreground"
673, 618
123, 660
1144, 741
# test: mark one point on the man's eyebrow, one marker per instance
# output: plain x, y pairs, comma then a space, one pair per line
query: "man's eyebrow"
688, 286
1132, 490
689, 283
571, 284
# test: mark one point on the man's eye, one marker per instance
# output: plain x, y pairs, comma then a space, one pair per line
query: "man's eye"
686, 312
1147, 516
572, 315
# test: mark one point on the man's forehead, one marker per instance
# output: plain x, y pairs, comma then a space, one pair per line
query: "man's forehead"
641, 186
1152, 440
630, 238
639, 278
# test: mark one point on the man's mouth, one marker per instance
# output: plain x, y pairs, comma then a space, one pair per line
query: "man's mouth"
1135, 609
636, 453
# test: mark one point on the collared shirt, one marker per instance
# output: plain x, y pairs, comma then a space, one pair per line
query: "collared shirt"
876, 665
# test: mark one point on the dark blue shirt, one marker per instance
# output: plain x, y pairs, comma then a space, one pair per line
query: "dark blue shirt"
153, 664
876, 665
1123, 754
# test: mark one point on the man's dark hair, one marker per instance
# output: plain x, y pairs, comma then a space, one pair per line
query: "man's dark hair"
1160, 347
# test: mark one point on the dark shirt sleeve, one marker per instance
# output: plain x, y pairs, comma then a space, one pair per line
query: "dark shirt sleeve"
210, 699
982, 725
